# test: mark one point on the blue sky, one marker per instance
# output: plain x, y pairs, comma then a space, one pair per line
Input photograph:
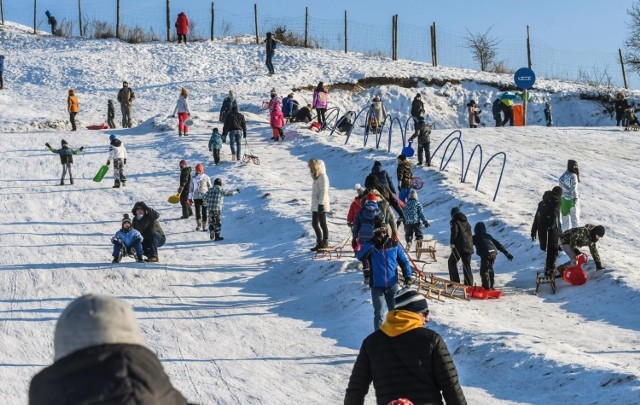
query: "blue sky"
571, 32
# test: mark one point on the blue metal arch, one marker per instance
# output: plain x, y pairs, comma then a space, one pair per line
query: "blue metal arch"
478, 146
504, 164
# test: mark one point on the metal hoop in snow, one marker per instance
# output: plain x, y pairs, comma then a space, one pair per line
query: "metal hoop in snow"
478, 146
504, 163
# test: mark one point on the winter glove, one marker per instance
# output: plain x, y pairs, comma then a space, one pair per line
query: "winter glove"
409, 280
125, 161
320, 208
47, 145
354, 243
533, 236
190, 202
116, 241
577, 251
180, 190
81, 148
509, 256
426, 224
108, 162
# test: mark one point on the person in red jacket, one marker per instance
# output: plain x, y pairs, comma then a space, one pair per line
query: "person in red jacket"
354, 209
182, 27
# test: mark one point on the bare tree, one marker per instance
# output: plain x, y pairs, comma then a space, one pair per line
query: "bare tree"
483, 48
633, 40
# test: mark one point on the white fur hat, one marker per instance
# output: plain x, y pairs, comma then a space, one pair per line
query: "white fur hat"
93, 320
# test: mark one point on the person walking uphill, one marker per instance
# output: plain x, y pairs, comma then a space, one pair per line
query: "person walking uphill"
118, 154
146, 222
101, 357
621, 105
200, 184
111, 114
182, 108
184, 188
319, 203
51, 20
405, 177
570, 209
276, 117
73, 108
461, 247
182, 27
423, 133
487, 247
214, 200
320, 103
228, 103
215, 144
125, 98
236, 127
405, 360
66, 158
417, 109
271, 45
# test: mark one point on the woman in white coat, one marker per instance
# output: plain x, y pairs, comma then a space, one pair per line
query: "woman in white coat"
570, 208
182, 108
319, 203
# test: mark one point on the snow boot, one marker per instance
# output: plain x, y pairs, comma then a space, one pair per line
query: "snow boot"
116, 186
62, 182
212, 235
152, 259
218, 237
204, 226
179, 133
116, 259
199, 226
324, 244
317, 246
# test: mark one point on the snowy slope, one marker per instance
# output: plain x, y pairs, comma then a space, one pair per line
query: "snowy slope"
254, 319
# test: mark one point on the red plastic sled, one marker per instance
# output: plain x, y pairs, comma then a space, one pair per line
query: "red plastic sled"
481, 293
101, 126
575, 275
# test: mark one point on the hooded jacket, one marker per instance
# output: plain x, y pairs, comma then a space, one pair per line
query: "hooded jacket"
182, 24
383, 262
149, 221
364, 223
182, 106
569, 184
320, 189
582, 236
484, 242
227, 104
461, 236
128, 238
548, 213
233, 121
413, 213
423, 133
383, 177
72, 102
405, 174
66, 153
417, 107
275, 111
117, 150
185, 180
404, 359
126, 96
320, 98
200, 184
215, 142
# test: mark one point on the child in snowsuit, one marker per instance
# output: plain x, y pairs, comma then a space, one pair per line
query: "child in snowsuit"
277, 118
73, 108
200, 184
66, 158
215, 144
354, 209
377, 114
413, 219
547, 114
118, 154
405, 177
111, 114
183, 190
127, 241
486, 247
214, 200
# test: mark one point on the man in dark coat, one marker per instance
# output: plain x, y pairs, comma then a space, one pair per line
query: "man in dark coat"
372, 183
461, 247
236, 126
183, 190
304, 115
417, 108
404, 359
125, 98
146, 222
228, 103
496, 110
547, 226
51, 20
100, 357
383, 177
270, 48
621, 104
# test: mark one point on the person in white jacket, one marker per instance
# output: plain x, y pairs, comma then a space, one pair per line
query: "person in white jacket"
570, 204
118, 154
182, 108
319, 203
200, 184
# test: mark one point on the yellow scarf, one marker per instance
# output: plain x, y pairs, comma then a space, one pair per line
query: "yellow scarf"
399, 322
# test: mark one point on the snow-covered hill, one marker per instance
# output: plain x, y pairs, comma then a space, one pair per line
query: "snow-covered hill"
254, 319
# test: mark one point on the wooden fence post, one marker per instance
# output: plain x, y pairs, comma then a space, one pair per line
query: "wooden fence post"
213, 15
345, 31
624, 74
2, 11
35, 7
393, 38
434, 44
80, 18
306, 27
528, 48
255, 14
118, 19
395, 48
168, 20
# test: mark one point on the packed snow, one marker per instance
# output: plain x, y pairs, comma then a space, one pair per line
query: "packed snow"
254, 319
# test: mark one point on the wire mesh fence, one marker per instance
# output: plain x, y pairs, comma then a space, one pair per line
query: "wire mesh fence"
371, 37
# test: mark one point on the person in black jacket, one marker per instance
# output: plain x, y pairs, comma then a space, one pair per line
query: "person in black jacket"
100, 357
304, 115
496, 110
236, 127
51, 20
183, 190
461, 247
621, 105
271, 44
404, 359
423, 133
146, 222
383, 177
417, 109
547, 226
486, 248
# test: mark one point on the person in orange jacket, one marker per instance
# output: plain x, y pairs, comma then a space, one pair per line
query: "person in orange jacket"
73, 108
182, 27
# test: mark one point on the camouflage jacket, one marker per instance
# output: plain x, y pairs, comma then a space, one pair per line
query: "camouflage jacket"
581, 236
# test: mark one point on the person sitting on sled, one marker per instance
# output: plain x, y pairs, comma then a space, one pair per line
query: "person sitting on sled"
127, 241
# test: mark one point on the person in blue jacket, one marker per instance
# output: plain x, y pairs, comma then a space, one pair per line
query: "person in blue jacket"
383, 255
507, 107
127, 241
289, 107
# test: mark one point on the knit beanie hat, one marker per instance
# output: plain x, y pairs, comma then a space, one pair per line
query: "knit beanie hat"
93, 320
597, 230
183, 163
125, 218
217, 181
64, 143
557, 190
359, 189
454, 211
413, 195
410, 300
112, 137
402, 157
401, 401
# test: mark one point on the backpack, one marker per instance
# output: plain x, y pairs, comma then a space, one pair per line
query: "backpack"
322, 96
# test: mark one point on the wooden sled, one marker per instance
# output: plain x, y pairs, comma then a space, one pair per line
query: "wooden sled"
332, 252
426, 246
541, 278
449, 288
